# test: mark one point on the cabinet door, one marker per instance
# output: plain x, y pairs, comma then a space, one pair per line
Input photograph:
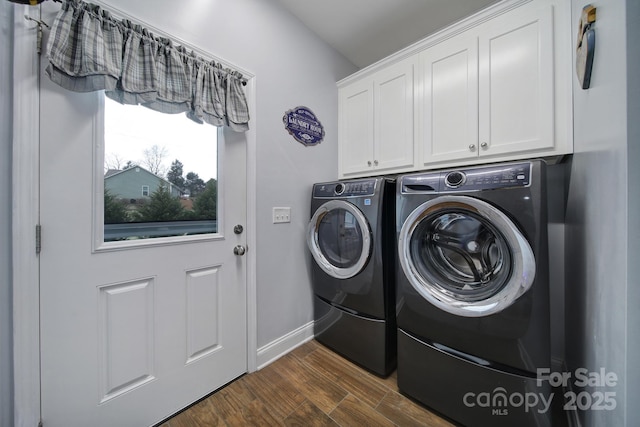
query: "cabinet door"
356, 128
516, 95
448, 111
394, 117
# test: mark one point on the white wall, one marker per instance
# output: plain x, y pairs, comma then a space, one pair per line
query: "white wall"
6, 118
633, 170
600, 252
292, 68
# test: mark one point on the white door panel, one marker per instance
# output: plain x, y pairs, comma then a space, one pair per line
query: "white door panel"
130, 335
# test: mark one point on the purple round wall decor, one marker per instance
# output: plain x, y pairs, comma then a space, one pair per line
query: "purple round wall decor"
304, 126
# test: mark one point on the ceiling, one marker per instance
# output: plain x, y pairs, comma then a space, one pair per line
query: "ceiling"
365, 31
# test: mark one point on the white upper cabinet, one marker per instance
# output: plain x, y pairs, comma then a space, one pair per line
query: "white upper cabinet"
494, 87
516, 95
489, 92
448, 111
376, 122
393, 104
355, 127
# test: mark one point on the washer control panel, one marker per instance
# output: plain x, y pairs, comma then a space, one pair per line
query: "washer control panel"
338, 189
471, 179
510, 175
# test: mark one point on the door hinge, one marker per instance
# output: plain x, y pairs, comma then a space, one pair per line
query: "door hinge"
40, 423
38, 238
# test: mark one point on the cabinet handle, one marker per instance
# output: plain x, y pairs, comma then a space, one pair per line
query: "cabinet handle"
369, 163
375, 162
472, 147
484, 145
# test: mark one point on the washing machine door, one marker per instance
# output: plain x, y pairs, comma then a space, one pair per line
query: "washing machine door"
465, 256
339, 238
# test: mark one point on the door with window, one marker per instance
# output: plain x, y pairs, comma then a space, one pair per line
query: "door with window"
141, 314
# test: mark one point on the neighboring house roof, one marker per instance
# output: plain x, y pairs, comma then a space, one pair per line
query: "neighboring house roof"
111, 172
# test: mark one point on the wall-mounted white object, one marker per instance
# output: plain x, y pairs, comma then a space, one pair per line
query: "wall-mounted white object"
281, 215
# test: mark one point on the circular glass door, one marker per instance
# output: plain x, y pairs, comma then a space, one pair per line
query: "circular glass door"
465, 256
339, 238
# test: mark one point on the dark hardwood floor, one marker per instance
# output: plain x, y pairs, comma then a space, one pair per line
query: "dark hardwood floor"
311, 386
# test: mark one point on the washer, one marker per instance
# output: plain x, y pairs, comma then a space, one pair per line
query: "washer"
473, 292
351, 237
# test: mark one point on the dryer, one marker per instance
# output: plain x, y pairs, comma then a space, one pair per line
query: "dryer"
351, 237
473, 292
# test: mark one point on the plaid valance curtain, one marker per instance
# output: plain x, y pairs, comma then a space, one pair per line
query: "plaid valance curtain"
89, 50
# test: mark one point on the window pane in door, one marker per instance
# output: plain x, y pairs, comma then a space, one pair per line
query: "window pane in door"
160, 174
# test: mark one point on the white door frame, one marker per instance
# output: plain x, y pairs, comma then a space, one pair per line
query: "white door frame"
26, 214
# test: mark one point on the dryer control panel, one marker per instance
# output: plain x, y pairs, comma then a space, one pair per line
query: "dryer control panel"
345, 189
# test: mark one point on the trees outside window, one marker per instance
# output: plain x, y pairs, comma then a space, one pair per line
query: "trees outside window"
162, 206
206, 204
174, 175
114, 209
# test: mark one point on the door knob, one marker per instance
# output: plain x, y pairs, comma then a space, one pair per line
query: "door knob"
472, 147
239, 250
484, 145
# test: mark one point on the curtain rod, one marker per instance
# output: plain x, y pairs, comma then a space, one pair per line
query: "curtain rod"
206, 55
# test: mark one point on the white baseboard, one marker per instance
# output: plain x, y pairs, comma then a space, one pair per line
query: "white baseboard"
283, 345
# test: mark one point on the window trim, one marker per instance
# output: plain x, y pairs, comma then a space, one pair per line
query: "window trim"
98, 243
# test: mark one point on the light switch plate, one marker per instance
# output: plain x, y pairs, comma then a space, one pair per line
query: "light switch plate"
281, 215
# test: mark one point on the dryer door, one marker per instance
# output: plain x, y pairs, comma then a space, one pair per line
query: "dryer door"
339, 237
465, 256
